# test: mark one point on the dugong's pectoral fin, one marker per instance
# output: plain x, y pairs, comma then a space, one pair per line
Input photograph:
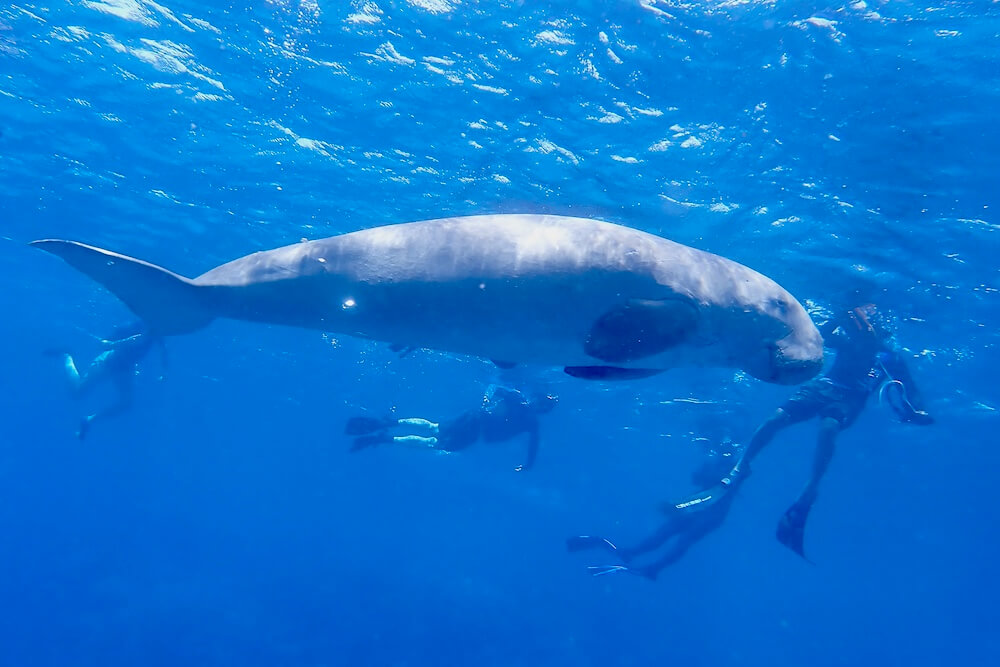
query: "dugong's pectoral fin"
168, 303
640, 328
609, 372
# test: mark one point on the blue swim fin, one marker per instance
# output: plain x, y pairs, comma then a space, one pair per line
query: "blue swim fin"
582, 542
601, 570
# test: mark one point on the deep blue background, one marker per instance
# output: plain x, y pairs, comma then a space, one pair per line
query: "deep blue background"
833, 147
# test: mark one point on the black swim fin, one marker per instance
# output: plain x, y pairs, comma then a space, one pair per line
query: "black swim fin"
364, 425
366, 441
582, 542
792, 528
505, 365
610, 372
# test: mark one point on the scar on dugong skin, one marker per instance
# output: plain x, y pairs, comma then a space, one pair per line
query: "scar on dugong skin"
602, 300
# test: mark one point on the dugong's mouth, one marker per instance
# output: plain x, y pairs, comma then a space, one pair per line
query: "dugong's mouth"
786, 362
794, 364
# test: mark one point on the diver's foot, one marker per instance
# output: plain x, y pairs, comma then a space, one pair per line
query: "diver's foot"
648, 572
792, 527
84, 428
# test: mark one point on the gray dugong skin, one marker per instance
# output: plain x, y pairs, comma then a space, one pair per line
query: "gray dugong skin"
537, 289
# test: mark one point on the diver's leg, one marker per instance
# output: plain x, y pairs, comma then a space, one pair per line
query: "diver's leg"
696, 527
669, 529
421, 440
761, 438
72, 373
410, 430
416, 431
420, 424
124, 385
96, 373
674, 553
826, 442
791, 528
366, 425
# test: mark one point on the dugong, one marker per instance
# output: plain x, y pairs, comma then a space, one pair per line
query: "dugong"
602, 300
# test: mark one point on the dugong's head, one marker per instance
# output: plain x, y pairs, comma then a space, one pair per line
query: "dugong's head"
776, 339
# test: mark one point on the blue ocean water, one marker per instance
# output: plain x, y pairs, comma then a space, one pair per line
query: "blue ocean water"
835, 147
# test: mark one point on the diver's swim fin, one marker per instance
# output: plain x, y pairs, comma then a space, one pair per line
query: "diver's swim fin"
581, 542
366, 441
601, 570
364, 425
609, 372
168, 303
792, 527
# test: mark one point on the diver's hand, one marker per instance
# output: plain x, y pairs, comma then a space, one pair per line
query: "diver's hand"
920, 417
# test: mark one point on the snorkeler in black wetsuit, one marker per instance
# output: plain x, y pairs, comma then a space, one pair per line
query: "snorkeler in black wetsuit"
687, 522
504, 414
866, 362
116, 365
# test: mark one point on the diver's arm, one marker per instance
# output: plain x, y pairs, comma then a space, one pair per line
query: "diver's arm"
534, 440
828, 328
897, 369
164, 357
118, 343
833, 334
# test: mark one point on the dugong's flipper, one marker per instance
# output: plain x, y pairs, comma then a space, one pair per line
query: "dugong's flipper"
640, 328
610, 373
168, 303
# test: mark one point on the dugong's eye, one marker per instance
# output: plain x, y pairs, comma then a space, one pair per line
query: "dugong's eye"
780, 305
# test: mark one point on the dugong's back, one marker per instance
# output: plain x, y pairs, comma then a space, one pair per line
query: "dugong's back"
488, 247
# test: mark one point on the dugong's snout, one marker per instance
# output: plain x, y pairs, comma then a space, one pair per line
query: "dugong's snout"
780, 366
792, 360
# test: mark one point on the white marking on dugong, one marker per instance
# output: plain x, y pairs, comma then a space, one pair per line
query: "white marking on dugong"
603, 300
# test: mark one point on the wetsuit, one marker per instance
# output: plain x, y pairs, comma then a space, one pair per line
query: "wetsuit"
116, 365
862, 363
503, 415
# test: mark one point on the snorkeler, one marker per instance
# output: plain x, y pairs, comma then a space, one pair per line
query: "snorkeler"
687, 522
117, 365
866, 362
504, 414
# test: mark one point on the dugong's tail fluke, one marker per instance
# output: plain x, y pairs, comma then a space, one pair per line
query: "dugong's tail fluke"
168, 303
